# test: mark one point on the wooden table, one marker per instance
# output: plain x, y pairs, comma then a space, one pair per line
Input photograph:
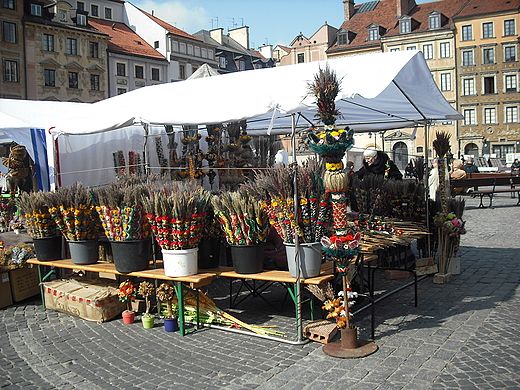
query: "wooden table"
193, 281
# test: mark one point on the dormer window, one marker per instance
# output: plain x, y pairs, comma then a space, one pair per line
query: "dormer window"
81, 19
373, 34
342, 39
434, 20
405, 25
36, 9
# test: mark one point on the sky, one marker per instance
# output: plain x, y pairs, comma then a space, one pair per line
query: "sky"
270, 22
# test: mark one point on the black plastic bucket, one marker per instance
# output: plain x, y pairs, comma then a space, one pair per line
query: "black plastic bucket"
248, 259
131, 256
209, 253
48, 248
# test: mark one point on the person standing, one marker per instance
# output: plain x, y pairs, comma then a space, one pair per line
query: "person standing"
377, 162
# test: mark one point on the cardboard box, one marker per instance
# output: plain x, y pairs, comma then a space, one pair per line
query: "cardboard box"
6, 298
92, 300
24, 283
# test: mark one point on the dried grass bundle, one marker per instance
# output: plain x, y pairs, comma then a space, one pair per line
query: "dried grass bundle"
441, 143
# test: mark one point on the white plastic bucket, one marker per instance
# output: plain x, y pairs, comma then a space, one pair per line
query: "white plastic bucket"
180, 262
310, 259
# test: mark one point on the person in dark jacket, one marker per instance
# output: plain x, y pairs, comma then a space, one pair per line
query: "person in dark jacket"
377, 162
469, 166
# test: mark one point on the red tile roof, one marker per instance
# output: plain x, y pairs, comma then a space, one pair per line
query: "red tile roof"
385, 15
476, 7
258, 54
124, 40
171, 29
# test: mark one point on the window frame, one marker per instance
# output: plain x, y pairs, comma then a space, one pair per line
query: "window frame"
405, 26
468, 86
121, 91
509, 81
11, 71
108, 10
47, 79
445, 50
80, 7
373, 34
11, 5
467, 32
92, 8
509, 30
428, 53
73, 78
152, 76
489, 115
488, 55
489, 88
446, 82
93, 49
468, 57
48, 41
511, 114
487, 30
507, 48
434, 21
95, 82
9, 35
36, 9
72, 46
470, 116
121, 66
139, 75
300, 58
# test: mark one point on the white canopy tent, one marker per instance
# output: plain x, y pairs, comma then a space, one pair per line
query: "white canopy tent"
379, 91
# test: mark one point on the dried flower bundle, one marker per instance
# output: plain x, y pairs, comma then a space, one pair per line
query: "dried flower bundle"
176, 213
146, 290
74, 213
166, 293
325, 88
241, 218
275, 189
122, 215
35, 211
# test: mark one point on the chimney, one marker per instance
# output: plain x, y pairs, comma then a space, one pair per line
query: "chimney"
348, 9
402, 7
216, 34
241, 35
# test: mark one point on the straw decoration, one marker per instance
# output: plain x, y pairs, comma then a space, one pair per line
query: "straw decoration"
35, 211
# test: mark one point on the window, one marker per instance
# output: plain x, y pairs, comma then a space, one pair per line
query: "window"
139, 72
502, 150
182, 72
155, 74
50, 77
48, 42
395, 49
343, 39
73, 80
445, 81
94, 82
121, 91
509, 53
241, 65
93, 49
434, 21
80, 5
468, 87
445, 50
511, 83
490, 116
175, 46
512, 114
470, 117
36, 9
72, 46
489, 84
467, 58
182, 48
94, 10
428, 52
9, 32
487, 30
120, 69
108, 13
373, 35
189, 49
301, 58
489, 55
81, 19
509, 27
222, 62
8, 4
156, 44
420, 149
11, 71
411, 48
467, 33
404, 26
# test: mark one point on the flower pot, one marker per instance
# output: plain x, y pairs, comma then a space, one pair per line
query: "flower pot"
84, 252
148, 322
209, 253
48, 248
171, 324
310, 259
248, 259
180, 262
128, 317
131, 256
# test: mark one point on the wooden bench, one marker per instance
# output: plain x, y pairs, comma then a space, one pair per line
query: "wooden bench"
499, 183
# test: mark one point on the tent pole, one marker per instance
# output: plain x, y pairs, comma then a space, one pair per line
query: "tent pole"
299, 325
427, 186
145, 147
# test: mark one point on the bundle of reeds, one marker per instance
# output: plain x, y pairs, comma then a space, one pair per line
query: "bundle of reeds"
241, 217
176, 213
35, 211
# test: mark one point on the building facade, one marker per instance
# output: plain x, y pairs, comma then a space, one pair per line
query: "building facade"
12, 52
488, 63
66, 58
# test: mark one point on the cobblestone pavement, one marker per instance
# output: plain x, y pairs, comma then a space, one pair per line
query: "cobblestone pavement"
462, 335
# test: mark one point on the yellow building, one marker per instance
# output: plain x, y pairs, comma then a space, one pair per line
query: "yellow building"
12, 83
488, 63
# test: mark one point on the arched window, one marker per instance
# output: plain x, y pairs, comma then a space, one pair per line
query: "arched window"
400, 155
472, 150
